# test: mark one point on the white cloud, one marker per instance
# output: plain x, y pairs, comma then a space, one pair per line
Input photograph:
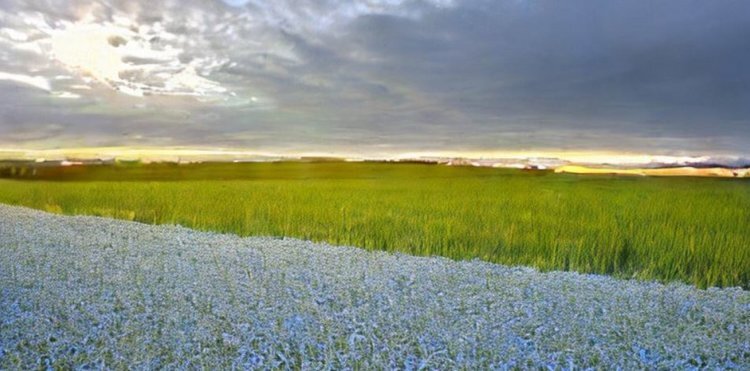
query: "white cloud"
126, 58
34, 81
66, 95
13, 34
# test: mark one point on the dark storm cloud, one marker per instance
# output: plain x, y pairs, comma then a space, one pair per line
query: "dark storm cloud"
675, 68
661, 77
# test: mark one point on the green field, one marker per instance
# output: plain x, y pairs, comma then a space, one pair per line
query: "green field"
688, 229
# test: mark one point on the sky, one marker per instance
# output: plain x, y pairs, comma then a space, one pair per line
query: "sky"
669, 77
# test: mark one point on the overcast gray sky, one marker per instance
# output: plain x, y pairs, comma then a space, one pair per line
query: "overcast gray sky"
660, 77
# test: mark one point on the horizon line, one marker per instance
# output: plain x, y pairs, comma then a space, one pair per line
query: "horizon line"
196, 153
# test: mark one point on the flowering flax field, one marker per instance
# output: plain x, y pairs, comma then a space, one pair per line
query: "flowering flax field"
684, 229
90, 292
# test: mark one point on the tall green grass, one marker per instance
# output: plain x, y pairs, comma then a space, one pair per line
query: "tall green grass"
688, 229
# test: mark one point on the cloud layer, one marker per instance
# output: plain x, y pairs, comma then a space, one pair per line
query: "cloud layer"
378, 76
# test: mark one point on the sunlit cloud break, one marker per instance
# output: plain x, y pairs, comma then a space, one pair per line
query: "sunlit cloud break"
128, 59
137, 60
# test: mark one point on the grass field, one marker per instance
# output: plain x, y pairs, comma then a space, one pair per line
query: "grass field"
688, 229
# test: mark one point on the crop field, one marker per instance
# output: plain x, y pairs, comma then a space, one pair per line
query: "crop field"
685, 229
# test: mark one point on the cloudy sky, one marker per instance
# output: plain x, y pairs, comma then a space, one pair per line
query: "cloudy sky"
377, 76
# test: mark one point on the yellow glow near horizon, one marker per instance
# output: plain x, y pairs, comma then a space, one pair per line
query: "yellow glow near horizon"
185, 153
